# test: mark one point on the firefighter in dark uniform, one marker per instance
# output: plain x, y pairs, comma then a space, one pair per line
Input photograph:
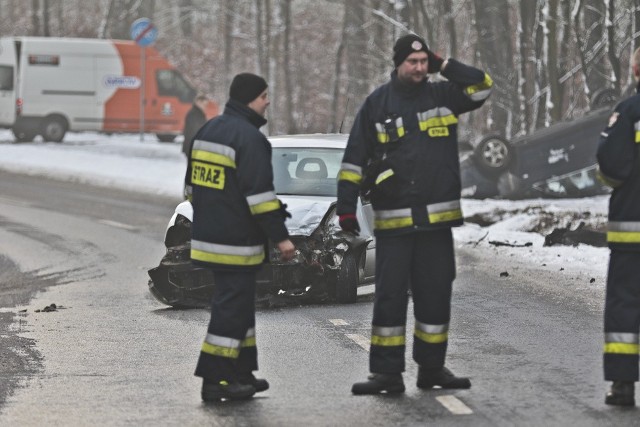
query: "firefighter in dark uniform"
235, 210
619, 166
403, 150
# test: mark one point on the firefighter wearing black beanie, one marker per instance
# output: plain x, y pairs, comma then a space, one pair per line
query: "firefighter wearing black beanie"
246, 87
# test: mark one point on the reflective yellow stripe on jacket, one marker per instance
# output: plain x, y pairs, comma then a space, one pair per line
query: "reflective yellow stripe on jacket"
445, 211
213, 152
432, 334
263, 202
621, 343
350, 172
249, 339
400, 218
636, 126
394, 218
623, 232
437, 119
226, 254
216, 345
388, 336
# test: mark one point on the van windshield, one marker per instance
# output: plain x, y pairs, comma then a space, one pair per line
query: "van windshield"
6, 77
171, 83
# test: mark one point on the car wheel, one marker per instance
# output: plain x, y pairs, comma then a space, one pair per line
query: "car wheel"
165, 137
347, 280
493, 155
54, 129
23, 135
604, 98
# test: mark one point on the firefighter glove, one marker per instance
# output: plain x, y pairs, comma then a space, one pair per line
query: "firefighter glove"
349, 223
435, 62
283, 210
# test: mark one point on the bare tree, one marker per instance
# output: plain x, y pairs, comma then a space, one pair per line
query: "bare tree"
35, 17
185, 14
286, 15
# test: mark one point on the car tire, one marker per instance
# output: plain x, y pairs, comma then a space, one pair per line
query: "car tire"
347, 280
493, 155
165, 137
23, 135
54, 129
604, 98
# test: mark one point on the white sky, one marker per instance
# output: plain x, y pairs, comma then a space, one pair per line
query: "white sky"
123, 161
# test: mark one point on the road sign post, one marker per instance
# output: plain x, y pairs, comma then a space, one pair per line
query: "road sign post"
144, 33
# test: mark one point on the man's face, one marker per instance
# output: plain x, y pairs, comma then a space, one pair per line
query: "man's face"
414, 68
260, 104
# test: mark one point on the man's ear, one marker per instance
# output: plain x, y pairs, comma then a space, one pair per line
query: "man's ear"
636, 71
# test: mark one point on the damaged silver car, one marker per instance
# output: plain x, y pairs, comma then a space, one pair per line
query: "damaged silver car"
329, 264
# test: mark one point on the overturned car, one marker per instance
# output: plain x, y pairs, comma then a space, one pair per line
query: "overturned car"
329, 264
557, 161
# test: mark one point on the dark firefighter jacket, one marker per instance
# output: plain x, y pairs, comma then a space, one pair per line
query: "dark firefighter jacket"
230, 181
619, 166
403, 148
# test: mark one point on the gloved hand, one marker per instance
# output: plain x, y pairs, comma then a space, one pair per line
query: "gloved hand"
349, 223
435, 62
283, 210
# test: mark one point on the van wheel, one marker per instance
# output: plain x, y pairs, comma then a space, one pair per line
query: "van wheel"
347, 280
23, 135
165, 137
54, 129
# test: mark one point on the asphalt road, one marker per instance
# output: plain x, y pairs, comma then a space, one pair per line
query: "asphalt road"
111, 355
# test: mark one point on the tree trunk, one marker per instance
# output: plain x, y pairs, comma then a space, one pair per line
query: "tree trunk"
528, 12
186, 17
357, 66
450, 25
493, 29
228, 40
554, 96
103, 30
612, 46
35, 17
335, 126
45, 19
286, 14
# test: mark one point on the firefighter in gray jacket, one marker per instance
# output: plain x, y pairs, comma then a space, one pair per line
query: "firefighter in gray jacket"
235, 211
403, 151
619, 166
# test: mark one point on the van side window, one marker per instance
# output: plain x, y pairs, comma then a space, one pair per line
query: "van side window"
6, 77
171, 83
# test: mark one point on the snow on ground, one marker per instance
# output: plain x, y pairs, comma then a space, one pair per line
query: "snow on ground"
123, 161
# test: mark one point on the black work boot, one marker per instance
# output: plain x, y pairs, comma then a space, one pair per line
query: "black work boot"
259, 384
443, 377
214, 391
380, 383
621, 394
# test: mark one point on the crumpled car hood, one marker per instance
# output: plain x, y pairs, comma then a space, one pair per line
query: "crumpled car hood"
306, 213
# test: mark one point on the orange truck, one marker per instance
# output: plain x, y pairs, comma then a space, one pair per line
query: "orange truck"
49, 86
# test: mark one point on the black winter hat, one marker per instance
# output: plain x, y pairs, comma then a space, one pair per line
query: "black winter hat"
406, 45
246, 87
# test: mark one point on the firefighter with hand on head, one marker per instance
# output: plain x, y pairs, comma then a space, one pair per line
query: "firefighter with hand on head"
619, 166
235, 212
403, 152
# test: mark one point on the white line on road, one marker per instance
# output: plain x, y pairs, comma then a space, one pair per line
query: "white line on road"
338, 322
360, 340
117, 224
454, 405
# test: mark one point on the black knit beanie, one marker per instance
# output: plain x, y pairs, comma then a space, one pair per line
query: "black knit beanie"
406, 45
246, 87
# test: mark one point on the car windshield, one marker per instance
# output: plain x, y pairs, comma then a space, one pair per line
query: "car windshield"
306, 171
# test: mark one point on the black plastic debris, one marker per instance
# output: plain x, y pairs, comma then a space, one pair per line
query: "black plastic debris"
582, 234
504, 274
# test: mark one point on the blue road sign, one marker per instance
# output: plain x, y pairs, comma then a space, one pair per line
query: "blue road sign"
143, 32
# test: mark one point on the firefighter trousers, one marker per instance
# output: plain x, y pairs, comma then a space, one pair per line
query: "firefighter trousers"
424, 263
229, 348
622, 317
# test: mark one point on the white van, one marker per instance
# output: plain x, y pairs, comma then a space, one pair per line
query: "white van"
49, 86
